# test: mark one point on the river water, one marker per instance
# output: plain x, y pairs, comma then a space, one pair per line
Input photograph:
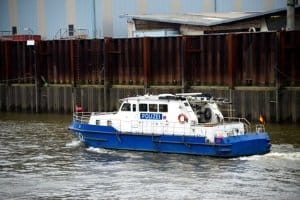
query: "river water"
40, 159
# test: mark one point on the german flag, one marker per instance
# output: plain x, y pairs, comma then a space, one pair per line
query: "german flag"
78, 109
261, 119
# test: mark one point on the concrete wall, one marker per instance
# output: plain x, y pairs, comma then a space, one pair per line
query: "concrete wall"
46, 17
247, 102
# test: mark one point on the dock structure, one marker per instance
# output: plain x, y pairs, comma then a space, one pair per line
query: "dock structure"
258, 72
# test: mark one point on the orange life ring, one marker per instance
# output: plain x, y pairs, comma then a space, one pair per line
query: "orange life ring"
182, 118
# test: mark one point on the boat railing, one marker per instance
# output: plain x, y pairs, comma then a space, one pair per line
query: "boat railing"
259, 128
82, 117
152, 127
155, 127
239, 119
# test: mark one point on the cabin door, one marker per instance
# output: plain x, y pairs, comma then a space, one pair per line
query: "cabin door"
135, 123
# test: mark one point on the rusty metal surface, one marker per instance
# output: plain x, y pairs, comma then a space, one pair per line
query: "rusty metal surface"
257, 59
206, 61
289, 69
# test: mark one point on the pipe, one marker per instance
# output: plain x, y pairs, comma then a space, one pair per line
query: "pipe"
290, 15
35, 82
94, 19
215, 6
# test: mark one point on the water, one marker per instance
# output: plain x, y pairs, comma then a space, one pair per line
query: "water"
40, 159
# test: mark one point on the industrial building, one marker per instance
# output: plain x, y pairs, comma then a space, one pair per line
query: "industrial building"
207, 23
54, 19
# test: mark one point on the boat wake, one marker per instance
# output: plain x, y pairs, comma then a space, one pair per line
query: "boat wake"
294, 156
73, 143
97, 150
125, 153
283, 152
286, 155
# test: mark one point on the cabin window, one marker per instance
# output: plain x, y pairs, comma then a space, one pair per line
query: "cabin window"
163, 108
126, 107
152, 107
97, 122
186, 104
143, 107
133, 107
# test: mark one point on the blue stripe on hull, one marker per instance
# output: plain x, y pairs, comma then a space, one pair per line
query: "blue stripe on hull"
108, 137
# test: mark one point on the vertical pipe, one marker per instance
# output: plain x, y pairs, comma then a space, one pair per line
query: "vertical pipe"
7, 58
140, 71
72, 75
290, 23
182, 62
133, 61
230, 105
279, 55
94, 19
128, 58
120, 74
105, 62
231, 60
146, 59
170, 62
215, 6
162, 59
35, 80
107, 13
210, 58
203, 59
55, 61
71, 50
177, 61
104, 75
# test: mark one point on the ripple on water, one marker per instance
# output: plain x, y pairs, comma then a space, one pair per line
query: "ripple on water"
41, 159
73, 143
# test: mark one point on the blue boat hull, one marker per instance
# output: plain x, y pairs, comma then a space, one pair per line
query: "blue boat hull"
233, 146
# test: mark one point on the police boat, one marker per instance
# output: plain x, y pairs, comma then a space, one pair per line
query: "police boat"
185, 123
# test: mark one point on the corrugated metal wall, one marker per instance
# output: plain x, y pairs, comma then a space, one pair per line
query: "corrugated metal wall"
226, 59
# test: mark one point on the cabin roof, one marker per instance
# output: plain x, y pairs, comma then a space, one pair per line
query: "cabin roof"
160, 97
206, 19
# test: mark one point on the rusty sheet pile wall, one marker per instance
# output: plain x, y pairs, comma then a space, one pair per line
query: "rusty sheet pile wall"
95, 73
229, 59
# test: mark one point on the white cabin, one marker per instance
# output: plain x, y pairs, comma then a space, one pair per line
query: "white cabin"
181, 114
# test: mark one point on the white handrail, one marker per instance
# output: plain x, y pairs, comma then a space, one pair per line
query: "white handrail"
150, 127
239, 119
82, 117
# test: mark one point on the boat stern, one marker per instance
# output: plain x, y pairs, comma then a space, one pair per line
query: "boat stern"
245, 145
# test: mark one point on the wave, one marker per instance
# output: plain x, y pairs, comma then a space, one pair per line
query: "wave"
97, 150
73, 143
124, 153
279, 151
294, 156
285, 155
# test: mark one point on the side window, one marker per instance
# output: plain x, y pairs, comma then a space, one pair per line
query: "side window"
143, 107
152, 107
133, 107
125, 107
163, 107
